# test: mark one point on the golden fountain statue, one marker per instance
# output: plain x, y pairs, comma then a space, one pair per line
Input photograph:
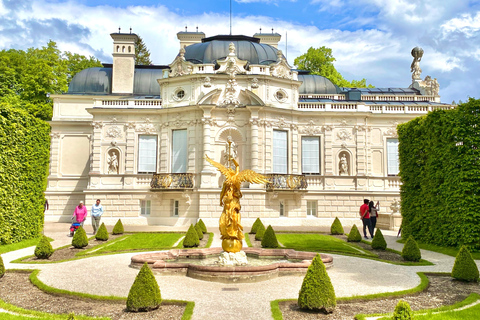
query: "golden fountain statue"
230, 227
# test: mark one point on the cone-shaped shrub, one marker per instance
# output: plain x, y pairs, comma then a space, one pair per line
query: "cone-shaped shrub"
202, 225
191, 238
402, 311
336, 227
410, 251
260, 232
354, 235
118, 228
2, 267
44, 249
269, 239
102, 233
317, 291
144, 294
465, 268
80, 239
199, 231
255, 226
378, 241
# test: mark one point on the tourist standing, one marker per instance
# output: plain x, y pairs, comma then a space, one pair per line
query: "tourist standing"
80, 213
365, 217
97, 211
374, 208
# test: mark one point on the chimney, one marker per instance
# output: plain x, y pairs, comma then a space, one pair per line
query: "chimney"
123, 62
269, 38
188, 38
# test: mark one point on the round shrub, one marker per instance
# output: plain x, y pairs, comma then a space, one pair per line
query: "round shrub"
44, 249
354, 235
465, 268
317, 291
336, 227
118, 228
269, 239
144, 295
80, 239
2, 267
260, 232
191, 238
199, 231
402, 311
378, 241
255, 226
102, 233
410, 251
202, 225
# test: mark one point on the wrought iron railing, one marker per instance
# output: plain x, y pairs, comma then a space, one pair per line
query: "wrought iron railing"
172, 181
286, 182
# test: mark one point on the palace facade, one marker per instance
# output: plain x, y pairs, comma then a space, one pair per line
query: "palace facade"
136, 137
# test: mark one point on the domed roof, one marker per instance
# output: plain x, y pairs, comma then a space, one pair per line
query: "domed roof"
315, 84
216, 48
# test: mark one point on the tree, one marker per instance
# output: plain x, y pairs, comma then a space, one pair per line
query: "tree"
77, 62
320, 61
142, 54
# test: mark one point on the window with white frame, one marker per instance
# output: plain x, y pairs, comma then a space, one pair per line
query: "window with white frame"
392, 157
145, 206
147, 154
311, 155
175, 208
282, 209
280, 152
179, 151
312, 208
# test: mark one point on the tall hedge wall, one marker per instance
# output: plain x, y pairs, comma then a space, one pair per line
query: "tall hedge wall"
24, 156
440, 171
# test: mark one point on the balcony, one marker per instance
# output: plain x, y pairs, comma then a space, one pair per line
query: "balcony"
286, 182
172, 181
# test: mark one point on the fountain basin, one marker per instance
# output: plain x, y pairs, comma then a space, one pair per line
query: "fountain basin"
164, 263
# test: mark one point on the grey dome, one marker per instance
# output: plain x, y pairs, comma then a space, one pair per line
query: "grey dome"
315, 84
92, 81
145, 82
216, 48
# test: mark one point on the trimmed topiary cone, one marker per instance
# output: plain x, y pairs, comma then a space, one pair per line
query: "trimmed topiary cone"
260, 232
102, 233
202, 225
410, 251
144, 295
402, 311
269, 239
378, 241
44, 249
199, 231
191, 238
255, 226
118, 228
80, 239
336, 227
317, 291
2, 267
354, 235
465, 268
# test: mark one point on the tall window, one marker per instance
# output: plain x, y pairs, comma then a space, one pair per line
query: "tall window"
145, 206
312, 208
147, 154
179, 151
311, 155
282, 209
280, 151
392, 157
175, 208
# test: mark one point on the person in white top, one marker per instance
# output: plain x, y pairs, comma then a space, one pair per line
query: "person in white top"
373, 214
97, 211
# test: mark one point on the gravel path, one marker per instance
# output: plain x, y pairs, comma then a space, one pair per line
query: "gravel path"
111, 275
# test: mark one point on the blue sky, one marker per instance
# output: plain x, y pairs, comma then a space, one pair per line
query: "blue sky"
370, 39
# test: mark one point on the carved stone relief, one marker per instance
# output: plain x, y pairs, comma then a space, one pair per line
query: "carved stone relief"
112, 161
343, 164
114, 132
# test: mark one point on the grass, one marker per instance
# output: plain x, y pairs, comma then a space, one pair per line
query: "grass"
20, 245
247, 240
320, 243
449, 251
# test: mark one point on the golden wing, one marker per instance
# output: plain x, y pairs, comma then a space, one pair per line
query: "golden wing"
252, 177
225, 171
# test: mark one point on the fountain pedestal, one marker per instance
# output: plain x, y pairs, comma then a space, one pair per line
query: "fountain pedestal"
230, 259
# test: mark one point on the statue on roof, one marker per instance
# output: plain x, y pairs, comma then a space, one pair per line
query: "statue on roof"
417, 54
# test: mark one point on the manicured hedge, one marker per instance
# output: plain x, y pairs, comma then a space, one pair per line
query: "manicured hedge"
439, 160
24, 156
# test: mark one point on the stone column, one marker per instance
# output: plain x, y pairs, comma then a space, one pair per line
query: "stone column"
207, 169
54, 153
130, 148
329, 159
96, 147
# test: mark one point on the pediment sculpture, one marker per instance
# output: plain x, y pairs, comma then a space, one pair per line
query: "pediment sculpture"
231, 65
179, 66
281, 68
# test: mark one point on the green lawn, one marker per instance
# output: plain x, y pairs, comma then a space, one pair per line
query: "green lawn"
472, 313
320, 243
19, 245
449, 251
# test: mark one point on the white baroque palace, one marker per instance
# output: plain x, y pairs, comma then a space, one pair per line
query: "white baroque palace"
136, 137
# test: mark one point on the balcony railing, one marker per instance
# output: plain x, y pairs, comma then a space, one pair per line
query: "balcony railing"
172, 181
286, 182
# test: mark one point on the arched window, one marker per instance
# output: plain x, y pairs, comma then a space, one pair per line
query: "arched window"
118, 48
123, 49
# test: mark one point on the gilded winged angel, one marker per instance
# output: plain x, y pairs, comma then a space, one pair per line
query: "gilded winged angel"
230, 227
